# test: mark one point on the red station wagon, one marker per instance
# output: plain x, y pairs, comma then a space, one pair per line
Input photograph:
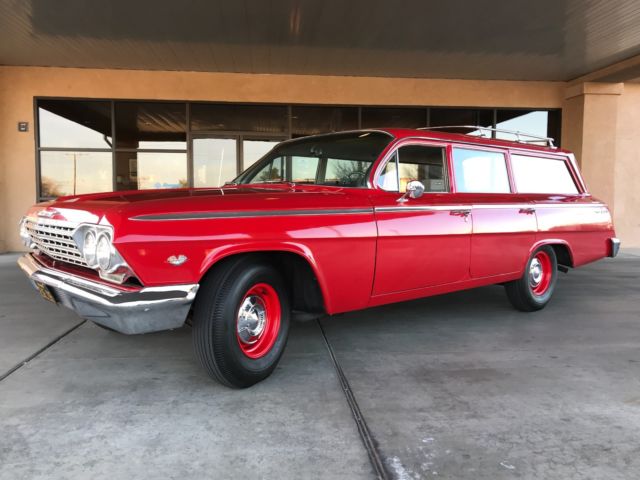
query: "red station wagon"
320, 225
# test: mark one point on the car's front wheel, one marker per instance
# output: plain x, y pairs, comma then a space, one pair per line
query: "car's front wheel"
534, 289
241, 321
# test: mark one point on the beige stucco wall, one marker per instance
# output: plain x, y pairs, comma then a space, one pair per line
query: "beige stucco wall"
601, 125
19, 85
627, 167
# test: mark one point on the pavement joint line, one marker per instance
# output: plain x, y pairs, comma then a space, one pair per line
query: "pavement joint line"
363, 428
34, 355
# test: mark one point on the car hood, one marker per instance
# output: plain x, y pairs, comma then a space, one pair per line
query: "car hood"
117, 206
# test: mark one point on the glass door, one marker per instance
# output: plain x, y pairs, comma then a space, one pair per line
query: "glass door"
215, 160
220, 158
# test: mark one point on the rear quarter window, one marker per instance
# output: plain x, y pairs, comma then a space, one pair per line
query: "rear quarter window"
542, 175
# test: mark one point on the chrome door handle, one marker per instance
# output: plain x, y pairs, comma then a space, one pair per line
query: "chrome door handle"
527, 211
462, 212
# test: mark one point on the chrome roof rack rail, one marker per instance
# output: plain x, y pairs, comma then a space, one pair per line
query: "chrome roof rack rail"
521, 137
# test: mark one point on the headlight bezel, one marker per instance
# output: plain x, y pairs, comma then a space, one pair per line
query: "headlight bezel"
25, 236
117, 270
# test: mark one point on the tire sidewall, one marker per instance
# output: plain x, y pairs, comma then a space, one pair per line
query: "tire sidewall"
225, 319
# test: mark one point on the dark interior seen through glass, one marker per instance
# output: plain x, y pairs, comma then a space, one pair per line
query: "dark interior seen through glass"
315, 120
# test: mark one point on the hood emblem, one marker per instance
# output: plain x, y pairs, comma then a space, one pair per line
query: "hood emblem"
49, 213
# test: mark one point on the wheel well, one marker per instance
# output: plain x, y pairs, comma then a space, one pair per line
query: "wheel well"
563, 254
299, 277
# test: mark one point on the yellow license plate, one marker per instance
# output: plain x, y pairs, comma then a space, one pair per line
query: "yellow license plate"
45, 292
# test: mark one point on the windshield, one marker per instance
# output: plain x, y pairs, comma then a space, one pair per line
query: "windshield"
341, 159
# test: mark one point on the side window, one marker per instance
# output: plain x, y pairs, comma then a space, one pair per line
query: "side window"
388, 179
304, 169
542, 175
273, 171
416, 162
351, 173
479, 171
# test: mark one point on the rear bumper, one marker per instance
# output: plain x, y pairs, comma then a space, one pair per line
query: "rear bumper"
145, 310
614, 246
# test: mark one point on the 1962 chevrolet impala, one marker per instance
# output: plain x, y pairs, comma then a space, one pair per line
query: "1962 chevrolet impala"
320, 225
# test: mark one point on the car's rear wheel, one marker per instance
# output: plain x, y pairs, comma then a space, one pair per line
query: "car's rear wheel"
241, 321
534, 289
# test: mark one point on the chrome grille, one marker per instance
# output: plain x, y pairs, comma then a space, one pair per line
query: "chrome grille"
53, 238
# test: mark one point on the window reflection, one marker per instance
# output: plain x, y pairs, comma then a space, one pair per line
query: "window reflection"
254, 150
150, 170
239, 118
314, 120
529, 122
373, 117
214, 161
71, 173
441, 117
159, 125
74, 124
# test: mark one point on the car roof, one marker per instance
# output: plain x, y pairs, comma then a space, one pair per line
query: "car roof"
401, 133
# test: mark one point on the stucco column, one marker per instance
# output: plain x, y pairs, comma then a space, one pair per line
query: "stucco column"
589, 129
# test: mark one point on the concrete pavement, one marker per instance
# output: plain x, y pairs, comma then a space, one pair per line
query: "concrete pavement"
458, 386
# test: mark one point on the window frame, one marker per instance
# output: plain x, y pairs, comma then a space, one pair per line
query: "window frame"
393, 151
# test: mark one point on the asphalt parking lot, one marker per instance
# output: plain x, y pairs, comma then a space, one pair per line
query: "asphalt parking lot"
458, 386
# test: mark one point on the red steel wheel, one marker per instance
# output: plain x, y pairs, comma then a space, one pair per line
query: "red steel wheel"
533, 290
258, 320
540, 273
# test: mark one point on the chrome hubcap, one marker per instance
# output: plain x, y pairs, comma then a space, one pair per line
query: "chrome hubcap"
251, 319
535, 272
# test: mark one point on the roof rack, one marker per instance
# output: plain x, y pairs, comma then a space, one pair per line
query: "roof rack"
521, 137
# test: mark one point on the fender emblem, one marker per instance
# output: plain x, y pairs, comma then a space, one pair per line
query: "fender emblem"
177, 260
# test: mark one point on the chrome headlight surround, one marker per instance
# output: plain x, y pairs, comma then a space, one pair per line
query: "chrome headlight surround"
25, 237
95, 242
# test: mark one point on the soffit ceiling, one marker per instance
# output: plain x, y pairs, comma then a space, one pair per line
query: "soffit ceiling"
490, 39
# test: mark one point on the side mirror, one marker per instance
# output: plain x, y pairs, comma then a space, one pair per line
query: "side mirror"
415, 189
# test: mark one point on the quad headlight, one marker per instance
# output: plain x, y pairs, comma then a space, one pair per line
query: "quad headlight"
104, 251
89, 248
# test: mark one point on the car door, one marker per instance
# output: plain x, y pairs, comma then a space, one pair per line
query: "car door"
422, 242
504, 224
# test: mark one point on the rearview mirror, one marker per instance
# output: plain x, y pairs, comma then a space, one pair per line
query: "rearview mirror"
415, 189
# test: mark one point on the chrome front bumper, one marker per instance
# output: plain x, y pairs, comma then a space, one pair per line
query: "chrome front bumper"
145, 310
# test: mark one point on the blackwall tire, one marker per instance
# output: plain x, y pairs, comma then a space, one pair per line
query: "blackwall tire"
248, 294
535, 288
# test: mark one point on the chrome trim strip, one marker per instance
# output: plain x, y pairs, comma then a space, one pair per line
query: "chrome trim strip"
492, 206
249, 213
